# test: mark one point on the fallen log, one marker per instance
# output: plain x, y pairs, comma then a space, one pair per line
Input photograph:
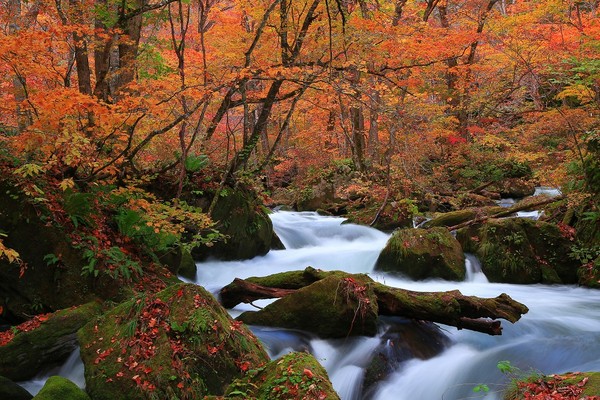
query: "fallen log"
449, 308
508, 212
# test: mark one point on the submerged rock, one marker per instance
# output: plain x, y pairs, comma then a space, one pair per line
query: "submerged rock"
518, 250
334, 307
293, 376
178, 343
57, 387
423, 254
45, 340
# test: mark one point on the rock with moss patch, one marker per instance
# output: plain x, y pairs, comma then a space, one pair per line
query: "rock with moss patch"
240, 216
518, 250
52, 279
43, 341
514, 187
423, 254
456, 217
11, 391
293, 376
57, 387
180, 262
334, 307
178, 343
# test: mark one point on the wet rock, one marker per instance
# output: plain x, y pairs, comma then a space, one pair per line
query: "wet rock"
293, 376
333, 307
423, 254
45, 340
57, 387
178, 343
518, 250
9, 390
514, 187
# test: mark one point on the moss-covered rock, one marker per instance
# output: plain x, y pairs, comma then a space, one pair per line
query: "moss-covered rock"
180, 262
293, 376
57, 387
518, 250
11, 391
51, 279
423, 254
178, 343
239, 216
334, 307
575, 385
47, 340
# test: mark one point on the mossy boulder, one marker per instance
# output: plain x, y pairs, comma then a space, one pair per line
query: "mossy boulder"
316, 197
293, 376
11, 391
178, 343
43, 285
575, 385
334, 307
43, 341
423, 254
240, 216
180, 262
57, 387
519, 250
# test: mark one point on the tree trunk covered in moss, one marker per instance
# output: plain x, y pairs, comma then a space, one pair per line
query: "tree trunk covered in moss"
449, 308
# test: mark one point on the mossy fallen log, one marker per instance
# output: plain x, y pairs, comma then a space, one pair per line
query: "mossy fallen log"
449, 308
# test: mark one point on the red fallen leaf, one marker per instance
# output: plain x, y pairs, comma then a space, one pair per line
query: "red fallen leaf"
308, 373
180, 293
137, 379
147, 370
180, 385
120, 374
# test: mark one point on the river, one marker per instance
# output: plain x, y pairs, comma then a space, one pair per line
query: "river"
560, 333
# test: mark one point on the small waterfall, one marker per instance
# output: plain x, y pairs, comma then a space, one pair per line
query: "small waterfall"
473, 269
72, 369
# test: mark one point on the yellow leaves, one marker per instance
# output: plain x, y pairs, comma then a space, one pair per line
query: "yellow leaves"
12, 256
577, 91
28, 170
66, 184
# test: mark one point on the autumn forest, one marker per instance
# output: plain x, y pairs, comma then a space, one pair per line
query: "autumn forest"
139, 136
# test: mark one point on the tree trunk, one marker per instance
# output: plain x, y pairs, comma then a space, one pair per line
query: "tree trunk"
449, 308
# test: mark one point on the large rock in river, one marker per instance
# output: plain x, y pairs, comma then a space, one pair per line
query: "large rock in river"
334, 307
57, 387
423, 254
519, 250
43, 341
178, 343
293, 376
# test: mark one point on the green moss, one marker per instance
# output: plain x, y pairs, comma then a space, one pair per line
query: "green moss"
57, 387
184, 344
423, 254
332, 307
293, 376
51, 342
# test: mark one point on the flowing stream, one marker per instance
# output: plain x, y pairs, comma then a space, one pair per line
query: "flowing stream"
560, 333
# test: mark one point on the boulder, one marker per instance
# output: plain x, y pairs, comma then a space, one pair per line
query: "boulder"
11, 391
293, 376
334, 307
51, 277
57, 387
240, 216
406, 339
178, 343
423, 254
519, 250
45, 340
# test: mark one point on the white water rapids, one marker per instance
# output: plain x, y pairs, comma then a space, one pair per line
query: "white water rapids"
560, 333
